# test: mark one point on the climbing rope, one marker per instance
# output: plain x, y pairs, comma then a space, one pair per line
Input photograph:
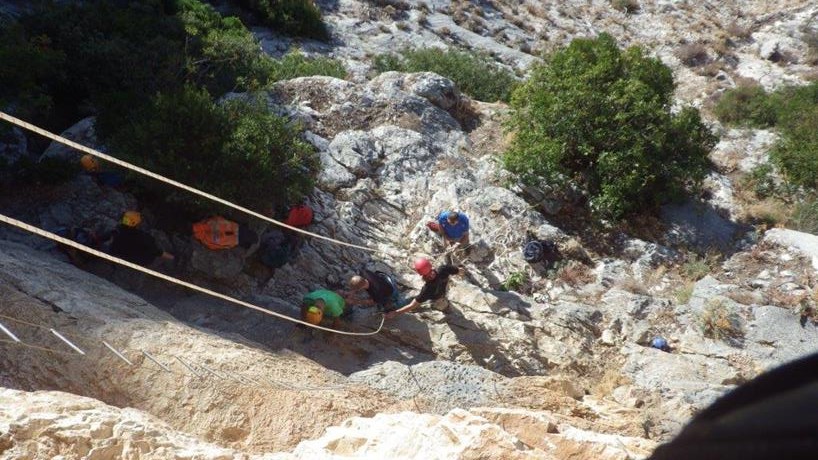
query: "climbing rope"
59, 239
143, 171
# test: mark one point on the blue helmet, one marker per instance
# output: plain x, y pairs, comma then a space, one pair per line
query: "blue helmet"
659, 342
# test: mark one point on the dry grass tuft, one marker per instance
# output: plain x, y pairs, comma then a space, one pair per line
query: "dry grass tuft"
575, 273
610, 380
633, 286
693, 54
720, 323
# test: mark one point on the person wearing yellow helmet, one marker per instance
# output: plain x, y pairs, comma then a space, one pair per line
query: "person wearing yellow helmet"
131, 219
133, 244
313, 315
330, 305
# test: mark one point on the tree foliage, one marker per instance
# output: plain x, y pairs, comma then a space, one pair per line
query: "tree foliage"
237, 150
152, 71
601, 118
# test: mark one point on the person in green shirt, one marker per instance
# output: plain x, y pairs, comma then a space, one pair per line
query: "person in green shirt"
330, 304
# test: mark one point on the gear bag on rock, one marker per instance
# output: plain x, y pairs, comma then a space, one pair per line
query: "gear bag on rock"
541, 251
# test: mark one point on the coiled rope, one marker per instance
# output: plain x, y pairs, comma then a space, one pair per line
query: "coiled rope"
74, 244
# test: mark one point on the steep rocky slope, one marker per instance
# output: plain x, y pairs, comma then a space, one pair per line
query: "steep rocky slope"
561, 370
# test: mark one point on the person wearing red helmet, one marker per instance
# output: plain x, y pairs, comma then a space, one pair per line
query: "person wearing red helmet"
434, 289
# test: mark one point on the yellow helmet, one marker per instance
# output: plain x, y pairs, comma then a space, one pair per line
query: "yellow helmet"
89, 163
314, 315
131, 219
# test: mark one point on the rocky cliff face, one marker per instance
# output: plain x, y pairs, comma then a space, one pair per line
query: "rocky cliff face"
560, 369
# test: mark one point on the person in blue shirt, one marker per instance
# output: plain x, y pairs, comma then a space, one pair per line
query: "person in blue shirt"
454, 228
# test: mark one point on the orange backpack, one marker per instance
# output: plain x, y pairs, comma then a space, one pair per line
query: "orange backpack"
217, 233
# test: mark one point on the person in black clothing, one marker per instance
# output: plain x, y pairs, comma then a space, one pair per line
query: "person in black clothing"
382, 289
437, 280
134, 245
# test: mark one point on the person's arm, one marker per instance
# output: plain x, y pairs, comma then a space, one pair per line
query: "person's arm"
411, 306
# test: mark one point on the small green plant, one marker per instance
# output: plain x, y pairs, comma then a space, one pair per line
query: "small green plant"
720, 323
515, 281
746, 106
301, 18
804, 217
684, 293
295, 64
761, 180
697, 267
475, 74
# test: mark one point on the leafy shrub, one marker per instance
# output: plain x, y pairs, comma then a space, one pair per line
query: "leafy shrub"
149, 71
29, 63
746, 106
238, 151
222, 55
295, 64
805, 217
48, 171
796, 152
300, 18
475, 75
600, 118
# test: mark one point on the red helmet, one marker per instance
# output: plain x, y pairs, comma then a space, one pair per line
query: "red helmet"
423, 266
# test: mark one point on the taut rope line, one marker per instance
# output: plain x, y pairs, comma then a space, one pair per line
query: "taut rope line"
59, 239
143, 171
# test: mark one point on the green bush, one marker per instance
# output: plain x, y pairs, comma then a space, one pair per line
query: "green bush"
761, 181
150, 71
475, 75
805, 217
746, 106
48, 171
796, 152
295, 64
600, 118
221, 54
301, 18
238, 150
29, 64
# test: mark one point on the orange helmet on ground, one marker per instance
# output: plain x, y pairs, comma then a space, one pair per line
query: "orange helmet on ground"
423, 266
131, 218
313, 315
89, 163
